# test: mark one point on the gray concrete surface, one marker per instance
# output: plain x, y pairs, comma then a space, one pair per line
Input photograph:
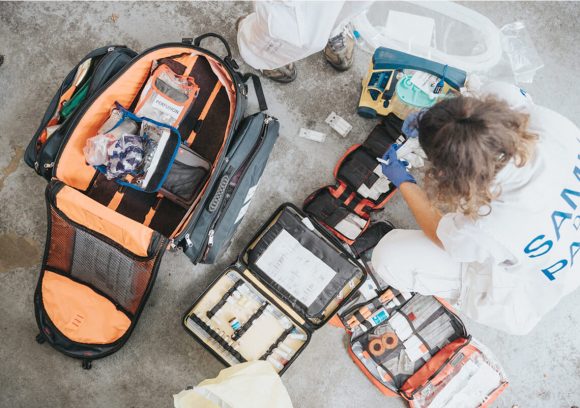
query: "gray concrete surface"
42, 41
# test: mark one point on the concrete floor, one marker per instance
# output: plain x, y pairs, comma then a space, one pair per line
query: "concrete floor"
42, 41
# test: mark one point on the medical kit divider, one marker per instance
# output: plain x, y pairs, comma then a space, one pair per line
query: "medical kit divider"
288, 282
106, 236
361, 187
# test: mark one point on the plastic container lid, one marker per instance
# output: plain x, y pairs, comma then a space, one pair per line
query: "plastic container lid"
412, 94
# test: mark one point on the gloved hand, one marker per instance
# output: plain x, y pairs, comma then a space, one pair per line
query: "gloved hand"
411, 124
394, 169
411, 152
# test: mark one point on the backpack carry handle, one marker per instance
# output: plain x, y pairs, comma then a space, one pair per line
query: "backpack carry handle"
228, 57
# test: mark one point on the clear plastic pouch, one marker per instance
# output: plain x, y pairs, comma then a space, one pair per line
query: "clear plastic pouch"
166, 96
157, 143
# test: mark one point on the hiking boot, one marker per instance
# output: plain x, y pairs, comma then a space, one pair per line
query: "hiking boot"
339, 51
284, 74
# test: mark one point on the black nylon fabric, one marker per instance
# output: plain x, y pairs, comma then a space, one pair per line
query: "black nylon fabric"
345, 269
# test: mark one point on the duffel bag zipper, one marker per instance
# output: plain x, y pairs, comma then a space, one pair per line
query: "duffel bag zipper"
208, 244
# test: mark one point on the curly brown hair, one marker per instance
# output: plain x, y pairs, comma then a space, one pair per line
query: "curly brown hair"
468, 141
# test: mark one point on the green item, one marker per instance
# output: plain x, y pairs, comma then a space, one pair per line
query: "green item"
78, 97
413, 95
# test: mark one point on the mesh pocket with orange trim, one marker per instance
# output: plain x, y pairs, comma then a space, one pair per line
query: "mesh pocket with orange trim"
91, 289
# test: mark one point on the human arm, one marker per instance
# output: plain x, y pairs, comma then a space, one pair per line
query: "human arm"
426, 215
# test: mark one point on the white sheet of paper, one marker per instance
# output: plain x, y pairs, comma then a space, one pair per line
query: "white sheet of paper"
410, 28
296, 269
425, 82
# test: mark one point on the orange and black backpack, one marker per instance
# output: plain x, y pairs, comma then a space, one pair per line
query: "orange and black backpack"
106, 237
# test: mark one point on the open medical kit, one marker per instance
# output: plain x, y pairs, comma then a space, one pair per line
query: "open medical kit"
361, 187
415, 346
401, 83
159, 155
289, 281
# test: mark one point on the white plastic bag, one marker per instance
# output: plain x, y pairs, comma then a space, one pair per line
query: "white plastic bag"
96, 147
461, 37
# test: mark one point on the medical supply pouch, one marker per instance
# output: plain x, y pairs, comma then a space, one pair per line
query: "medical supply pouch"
289, 281
159, 145
85, 80
105, 237
416, 347
361, 187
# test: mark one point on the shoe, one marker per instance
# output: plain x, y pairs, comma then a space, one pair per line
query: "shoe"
239, 21
284, 74
339, 51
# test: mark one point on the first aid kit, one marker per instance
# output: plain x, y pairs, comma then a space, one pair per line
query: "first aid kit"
177, 168
288, 282
361, 187
416, 347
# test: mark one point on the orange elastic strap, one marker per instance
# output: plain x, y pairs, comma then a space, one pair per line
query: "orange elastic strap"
116, 200
338, 191
189, 63
205, 110
359, 209
152, 211
349, 199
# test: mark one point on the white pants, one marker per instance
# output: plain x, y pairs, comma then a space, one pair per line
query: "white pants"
409, 261
279, 33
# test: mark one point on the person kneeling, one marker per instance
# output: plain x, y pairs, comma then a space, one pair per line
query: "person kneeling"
499, 215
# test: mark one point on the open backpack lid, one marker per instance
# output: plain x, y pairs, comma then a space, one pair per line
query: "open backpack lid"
303, 264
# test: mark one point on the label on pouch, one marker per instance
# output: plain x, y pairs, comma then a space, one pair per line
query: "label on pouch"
167, 107
378, 317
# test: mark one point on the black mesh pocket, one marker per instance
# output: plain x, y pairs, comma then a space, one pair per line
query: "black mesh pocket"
86, 258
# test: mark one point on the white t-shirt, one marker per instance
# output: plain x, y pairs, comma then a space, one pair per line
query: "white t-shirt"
522, 258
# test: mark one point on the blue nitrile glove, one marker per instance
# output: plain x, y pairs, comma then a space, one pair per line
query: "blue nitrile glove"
396, 170
411, 124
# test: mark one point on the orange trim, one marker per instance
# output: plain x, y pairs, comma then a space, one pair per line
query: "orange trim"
336, 193
80, 313
359, 209
387, 198
493, 396
349, 151
382, 388
205, 110
436, 362
96, 217
446, 304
